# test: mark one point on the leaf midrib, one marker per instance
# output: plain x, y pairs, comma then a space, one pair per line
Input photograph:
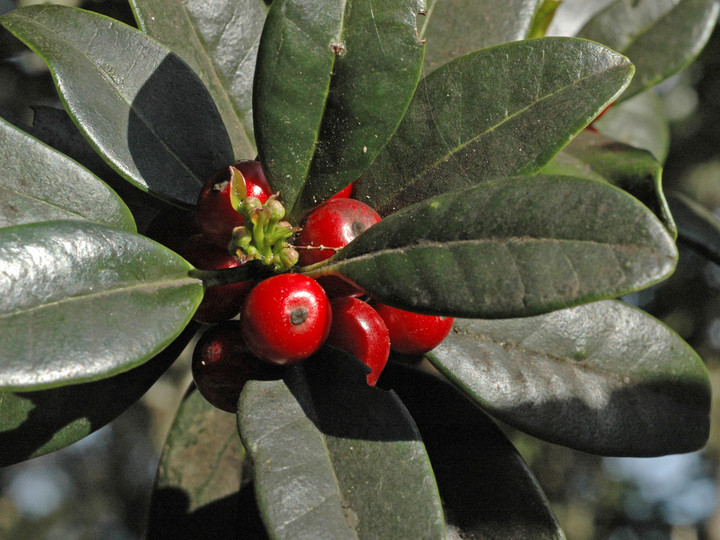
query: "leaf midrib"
446, 157
64, 209
88, 294
214, 72
297, 203
507, 240
645, 29
585, 365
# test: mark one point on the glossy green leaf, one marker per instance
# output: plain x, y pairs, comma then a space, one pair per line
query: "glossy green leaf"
453, 28
487, 489
35, 423
604, 378
82, 301
592, 155
55, 128
640, 122
660, 37
219, 41
203, 488
510, 248
336, 458
34, 186
332, 83
698, 227
499, 112
142, 108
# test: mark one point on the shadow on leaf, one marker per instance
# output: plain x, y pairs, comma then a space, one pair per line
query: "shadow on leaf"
175, 136
486, 487
36, 423
640, 420
233, 516
332, 389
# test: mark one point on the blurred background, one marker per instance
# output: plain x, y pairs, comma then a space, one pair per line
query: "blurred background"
101, 486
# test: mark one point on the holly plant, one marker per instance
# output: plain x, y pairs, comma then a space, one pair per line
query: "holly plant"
473, 276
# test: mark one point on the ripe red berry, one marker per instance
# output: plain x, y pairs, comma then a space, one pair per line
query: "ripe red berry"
359, 330
221, 365
286, 318
214, 212
333, 224
344, 193
221, 302
413, 333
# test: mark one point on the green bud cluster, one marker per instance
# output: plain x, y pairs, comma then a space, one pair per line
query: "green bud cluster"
264, 237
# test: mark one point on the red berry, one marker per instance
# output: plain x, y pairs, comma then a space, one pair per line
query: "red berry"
333, 224
344, 193
413, 333
214, 212
359, 330
286, 318
221, 365
222, 302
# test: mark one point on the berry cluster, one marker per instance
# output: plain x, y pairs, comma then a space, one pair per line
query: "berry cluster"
288, 316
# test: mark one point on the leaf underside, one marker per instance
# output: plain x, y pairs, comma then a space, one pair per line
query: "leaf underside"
317, 439
660, 37
487, 489
453, 28
698, 227
641, 122
603, 378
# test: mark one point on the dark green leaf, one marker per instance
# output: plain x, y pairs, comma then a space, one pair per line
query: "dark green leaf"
453, 28
55, 128
604, 378
202, 489
35, 423
219, 42
509, 248
499, 112
139, 105
640, 122
34, 186
660, 37
592, 155
698, 227
81, 301
487, 489
336, 458
332, 83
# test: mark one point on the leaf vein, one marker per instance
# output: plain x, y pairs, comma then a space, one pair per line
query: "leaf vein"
148, 286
